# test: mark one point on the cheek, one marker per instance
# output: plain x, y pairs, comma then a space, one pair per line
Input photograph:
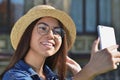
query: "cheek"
34, 39
59, 43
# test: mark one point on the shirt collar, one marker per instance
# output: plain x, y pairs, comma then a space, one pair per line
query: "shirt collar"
25, 67
49, 73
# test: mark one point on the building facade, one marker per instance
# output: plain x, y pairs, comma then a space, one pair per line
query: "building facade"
87, 14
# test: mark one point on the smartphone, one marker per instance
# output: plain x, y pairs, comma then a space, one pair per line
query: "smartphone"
107, 36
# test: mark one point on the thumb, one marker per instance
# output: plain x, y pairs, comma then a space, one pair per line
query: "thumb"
95, 46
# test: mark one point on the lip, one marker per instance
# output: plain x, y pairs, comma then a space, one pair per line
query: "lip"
48, 44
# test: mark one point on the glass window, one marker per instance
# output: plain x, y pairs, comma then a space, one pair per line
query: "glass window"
105, 12
76, 13
3, 15
10, 11
90, 15
87, 14
18, 8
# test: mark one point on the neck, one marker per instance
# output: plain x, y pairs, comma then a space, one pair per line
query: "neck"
36, 61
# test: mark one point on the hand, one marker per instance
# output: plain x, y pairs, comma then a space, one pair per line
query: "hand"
102, 61
73, 66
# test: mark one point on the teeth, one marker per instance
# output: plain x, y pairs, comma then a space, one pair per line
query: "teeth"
46, 43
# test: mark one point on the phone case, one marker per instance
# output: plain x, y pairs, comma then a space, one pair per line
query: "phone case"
107, 36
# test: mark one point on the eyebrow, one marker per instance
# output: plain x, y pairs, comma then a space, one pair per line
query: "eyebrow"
43, 23
48, 25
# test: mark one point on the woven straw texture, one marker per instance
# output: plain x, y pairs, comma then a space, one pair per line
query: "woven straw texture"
42, 11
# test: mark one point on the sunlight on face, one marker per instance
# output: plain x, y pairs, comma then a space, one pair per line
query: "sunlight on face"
49, 43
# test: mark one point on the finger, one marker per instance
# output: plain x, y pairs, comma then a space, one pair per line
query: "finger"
113, 47
117, 61
95, 45
69, 65
117, 64
69, 59
116, 54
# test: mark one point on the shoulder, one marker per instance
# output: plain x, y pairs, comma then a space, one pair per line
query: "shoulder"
14, 74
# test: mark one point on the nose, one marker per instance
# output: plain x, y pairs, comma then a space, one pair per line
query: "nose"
50, 34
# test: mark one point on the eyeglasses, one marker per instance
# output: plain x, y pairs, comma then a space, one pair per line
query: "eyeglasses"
44, 29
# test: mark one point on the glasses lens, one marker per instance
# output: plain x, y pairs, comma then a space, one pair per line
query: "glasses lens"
59, 31
43, 29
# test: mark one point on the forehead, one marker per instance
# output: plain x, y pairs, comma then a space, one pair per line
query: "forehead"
50, 21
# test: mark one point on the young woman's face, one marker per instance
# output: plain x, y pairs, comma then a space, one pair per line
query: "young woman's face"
46, 37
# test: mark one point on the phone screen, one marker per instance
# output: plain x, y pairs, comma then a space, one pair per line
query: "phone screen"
107, 36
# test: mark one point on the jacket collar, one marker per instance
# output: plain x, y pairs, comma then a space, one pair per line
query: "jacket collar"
50, 75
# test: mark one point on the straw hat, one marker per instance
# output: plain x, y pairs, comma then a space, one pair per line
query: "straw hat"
42, 11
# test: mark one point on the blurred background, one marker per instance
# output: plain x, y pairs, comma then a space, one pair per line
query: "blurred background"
87, 14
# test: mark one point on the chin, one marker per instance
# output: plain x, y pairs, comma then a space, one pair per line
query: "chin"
48, 54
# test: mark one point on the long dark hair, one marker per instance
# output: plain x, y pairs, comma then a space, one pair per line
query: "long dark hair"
58, 60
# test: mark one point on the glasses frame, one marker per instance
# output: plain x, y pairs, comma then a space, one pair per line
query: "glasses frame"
49, 28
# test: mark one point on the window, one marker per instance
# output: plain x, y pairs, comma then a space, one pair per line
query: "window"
18, 10
87, 14
10, 11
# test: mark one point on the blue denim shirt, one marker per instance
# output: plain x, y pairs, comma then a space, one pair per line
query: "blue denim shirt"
22, 71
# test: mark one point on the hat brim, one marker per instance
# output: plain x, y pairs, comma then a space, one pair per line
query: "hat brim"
32, 15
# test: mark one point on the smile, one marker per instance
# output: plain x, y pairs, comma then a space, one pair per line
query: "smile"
48, 44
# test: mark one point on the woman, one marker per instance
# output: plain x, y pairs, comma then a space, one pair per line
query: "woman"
42, 39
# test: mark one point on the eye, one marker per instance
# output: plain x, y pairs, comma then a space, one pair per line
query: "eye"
57, 31
42, 27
